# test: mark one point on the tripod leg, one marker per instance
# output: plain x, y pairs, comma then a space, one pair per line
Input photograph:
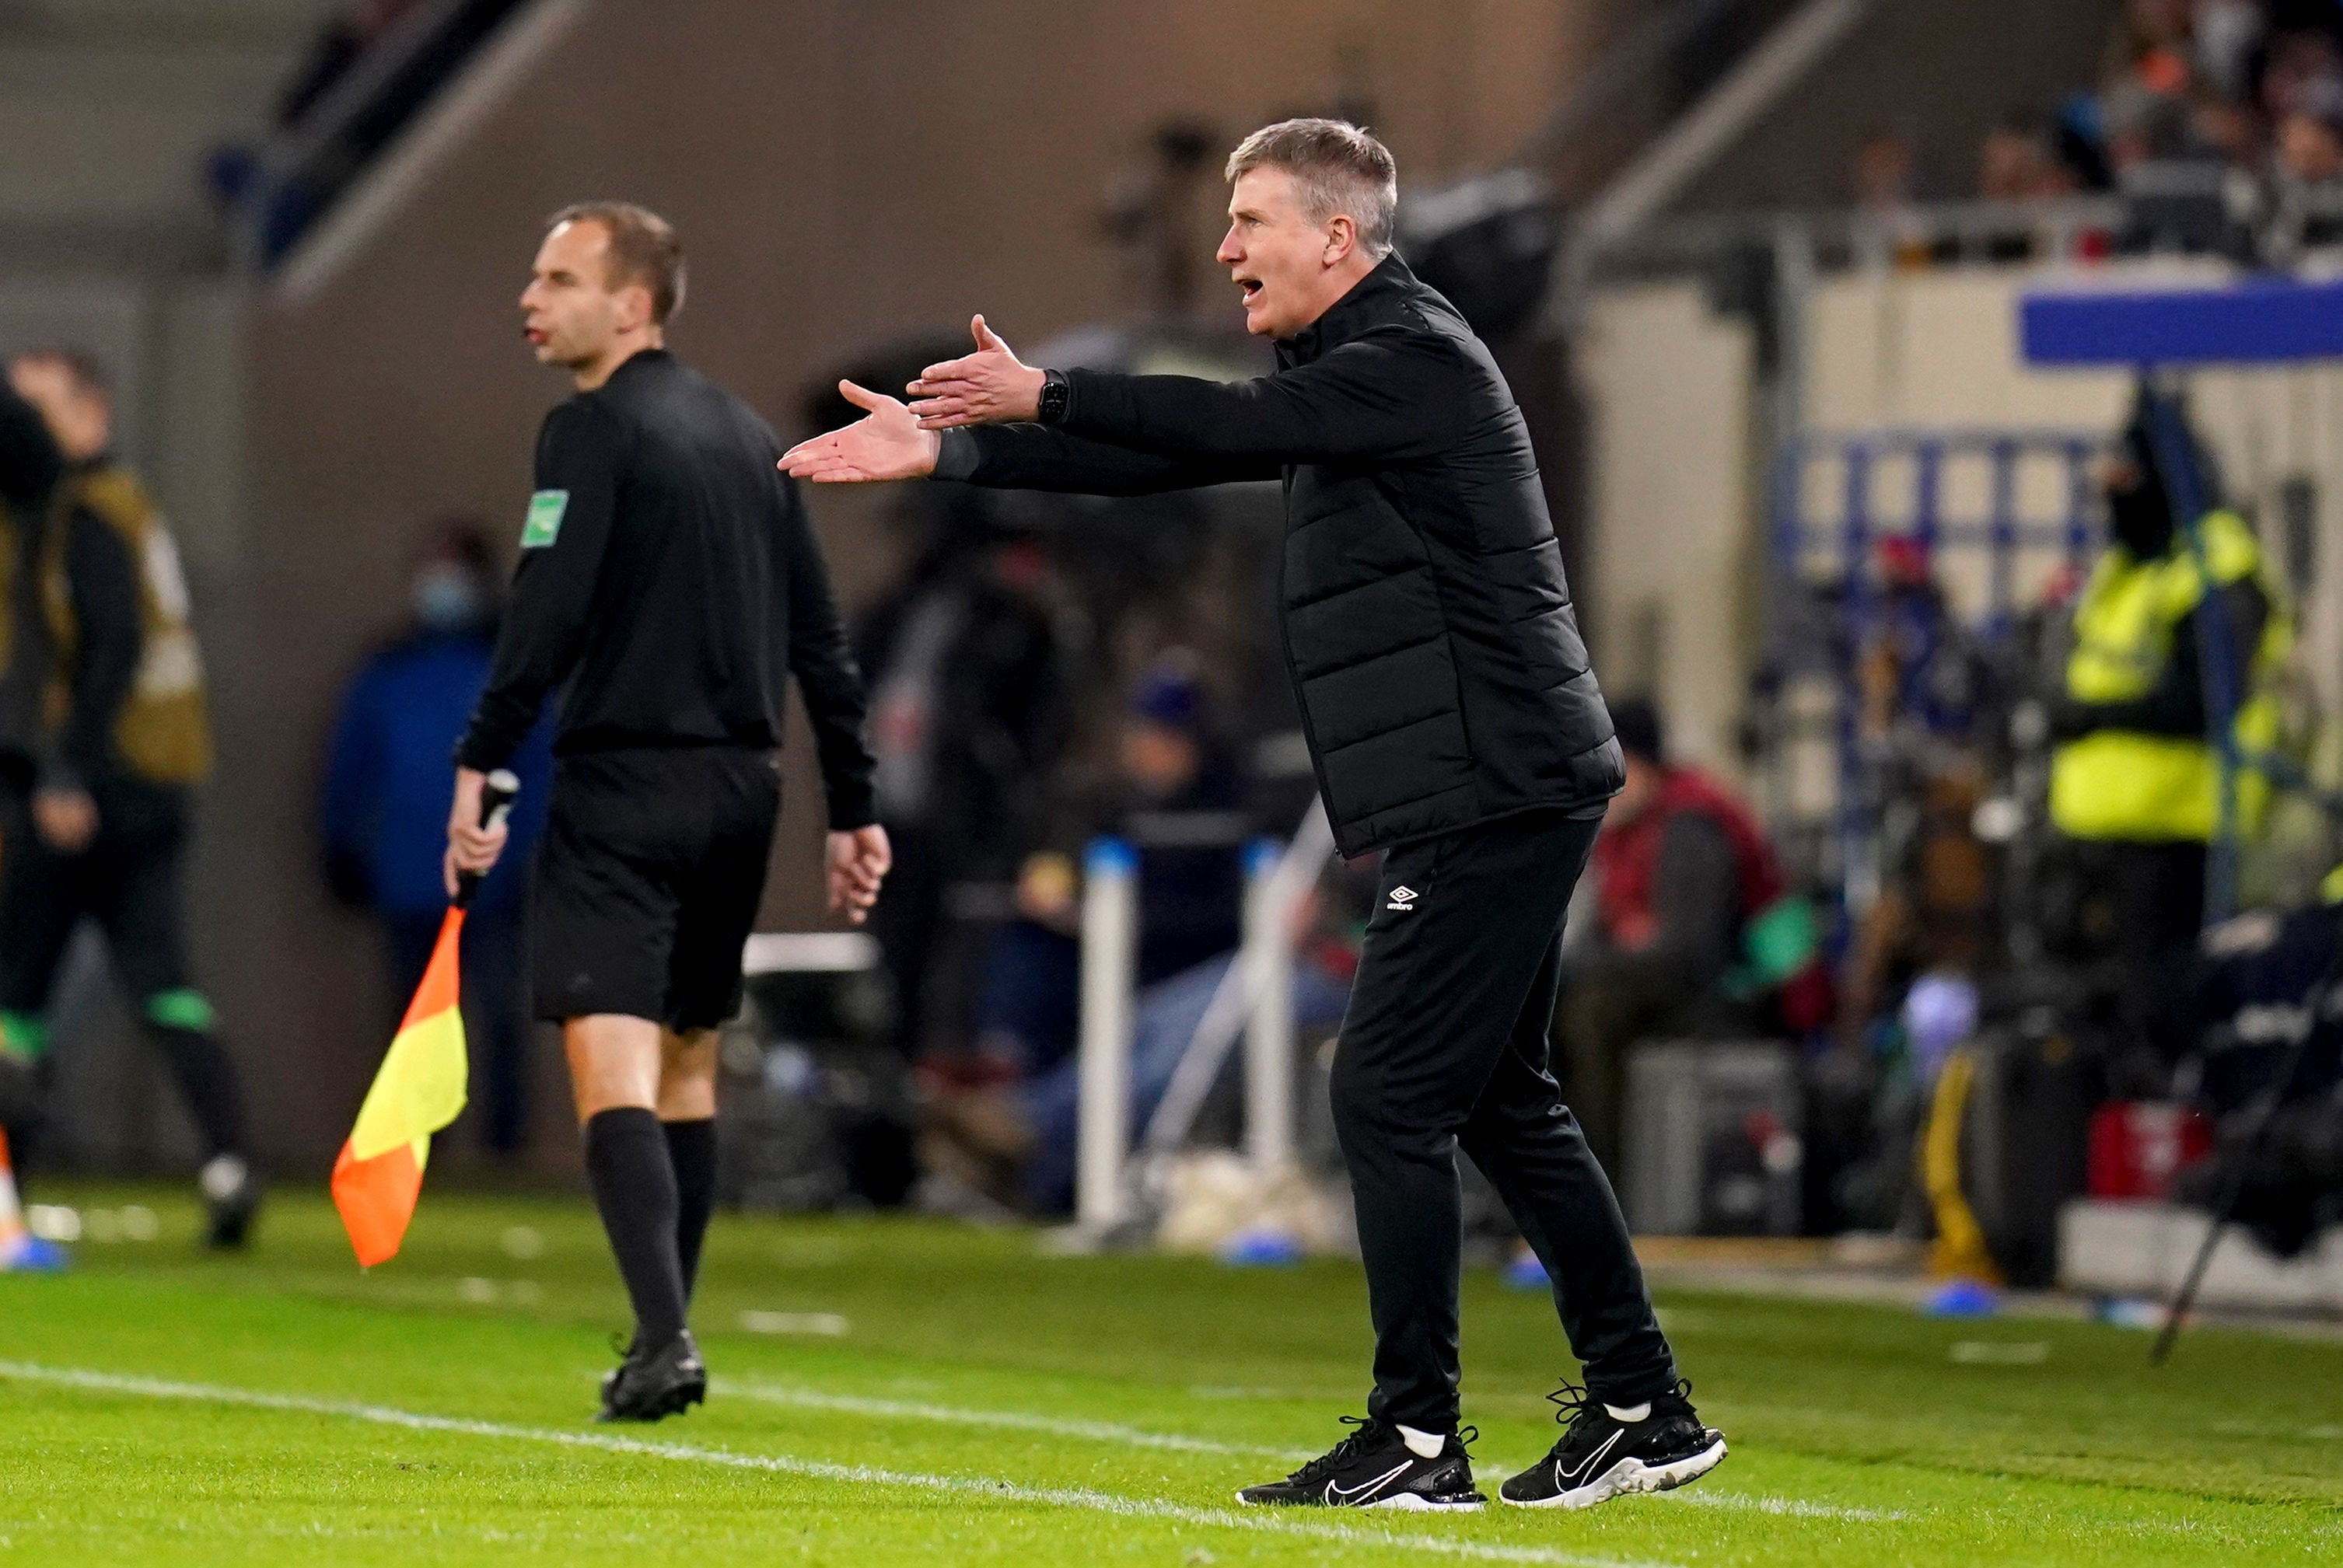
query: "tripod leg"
2234, 1186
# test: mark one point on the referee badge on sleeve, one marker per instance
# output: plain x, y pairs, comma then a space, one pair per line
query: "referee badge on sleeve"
544, 524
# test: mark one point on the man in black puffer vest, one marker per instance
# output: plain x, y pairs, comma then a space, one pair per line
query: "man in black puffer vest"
1454, 723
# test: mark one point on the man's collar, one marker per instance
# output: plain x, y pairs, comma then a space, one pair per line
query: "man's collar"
1338, 321
639, 357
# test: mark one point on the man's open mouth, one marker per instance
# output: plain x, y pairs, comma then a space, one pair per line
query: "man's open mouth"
1251, 287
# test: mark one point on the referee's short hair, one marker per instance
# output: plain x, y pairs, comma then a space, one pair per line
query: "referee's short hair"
643, 249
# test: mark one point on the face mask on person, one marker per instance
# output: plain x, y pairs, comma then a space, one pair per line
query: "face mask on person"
446, 600
2140, 519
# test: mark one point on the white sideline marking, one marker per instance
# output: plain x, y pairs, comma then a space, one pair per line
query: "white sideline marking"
830, 1324
2251, 1429
1013, 1420
813, 1468
2000, 1352
1107, 1432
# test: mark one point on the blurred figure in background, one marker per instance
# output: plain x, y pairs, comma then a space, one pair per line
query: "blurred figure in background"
386, 812
1681, 872
2137, 769
2019, 162
968, 715
124, 739
1182, 805
1886, 181
1179, 800
2308, 155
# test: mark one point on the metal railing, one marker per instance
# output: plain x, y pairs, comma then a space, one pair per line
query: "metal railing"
1921, 235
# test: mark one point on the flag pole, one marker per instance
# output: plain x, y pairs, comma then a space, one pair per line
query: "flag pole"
419, 1087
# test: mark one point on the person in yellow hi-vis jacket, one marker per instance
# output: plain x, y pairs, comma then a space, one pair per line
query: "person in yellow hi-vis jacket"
122, 738
2138, 767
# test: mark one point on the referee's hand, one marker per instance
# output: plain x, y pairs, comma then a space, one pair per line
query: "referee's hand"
470, 846
859, 862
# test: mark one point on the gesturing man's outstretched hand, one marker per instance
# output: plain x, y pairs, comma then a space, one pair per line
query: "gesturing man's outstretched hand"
885, 444
990, 386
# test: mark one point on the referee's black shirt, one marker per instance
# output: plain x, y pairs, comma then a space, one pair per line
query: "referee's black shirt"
669, 573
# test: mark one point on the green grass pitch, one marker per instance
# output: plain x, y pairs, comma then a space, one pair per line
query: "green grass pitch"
926, 1395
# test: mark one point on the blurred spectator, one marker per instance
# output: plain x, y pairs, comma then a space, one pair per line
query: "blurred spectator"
2307, 175
388, 788
1920, 671
2019, 163
1183, 808
1884, 172
2232, 98
2153, 48
2310, 137
1026, 1005
1683, 878
2226, 34
966, 718
2296, 62
1179, 800
123, 740
2136, 771
1885, 185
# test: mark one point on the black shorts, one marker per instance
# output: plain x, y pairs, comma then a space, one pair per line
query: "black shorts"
647, 883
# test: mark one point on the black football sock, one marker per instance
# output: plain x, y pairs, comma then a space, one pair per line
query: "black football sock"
691, 1145
634, 1187
206, 1076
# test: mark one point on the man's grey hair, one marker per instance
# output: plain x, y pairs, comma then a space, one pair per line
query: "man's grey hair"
1336, 168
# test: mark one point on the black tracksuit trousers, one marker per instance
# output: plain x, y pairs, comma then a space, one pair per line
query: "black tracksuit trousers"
1445, 1044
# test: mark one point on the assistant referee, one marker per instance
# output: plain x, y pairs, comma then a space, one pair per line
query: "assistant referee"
671, 577
1453, 722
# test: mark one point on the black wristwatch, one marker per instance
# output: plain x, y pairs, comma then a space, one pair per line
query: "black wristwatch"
1055, 395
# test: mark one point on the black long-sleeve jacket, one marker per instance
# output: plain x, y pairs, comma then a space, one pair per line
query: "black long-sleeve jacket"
30, 467
670, 576
1428, 624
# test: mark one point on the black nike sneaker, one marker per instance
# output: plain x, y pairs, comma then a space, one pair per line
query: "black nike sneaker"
1601, 1458
623, 1347
668, 1382
1374, 1468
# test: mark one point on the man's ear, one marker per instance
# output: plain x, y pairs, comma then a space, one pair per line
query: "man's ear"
1342, 239
635, 309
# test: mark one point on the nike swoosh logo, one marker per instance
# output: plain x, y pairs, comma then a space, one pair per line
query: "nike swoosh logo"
1365, 1489
1585, 1466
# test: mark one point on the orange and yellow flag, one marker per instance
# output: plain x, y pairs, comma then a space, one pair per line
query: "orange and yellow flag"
418, 1089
